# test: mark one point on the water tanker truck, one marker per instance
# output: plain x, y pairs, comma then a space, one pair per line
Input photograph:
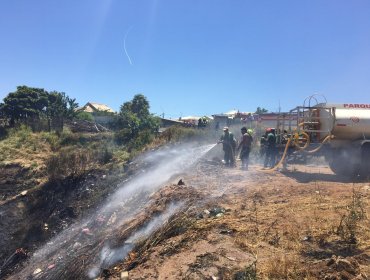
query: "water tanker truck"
339, 132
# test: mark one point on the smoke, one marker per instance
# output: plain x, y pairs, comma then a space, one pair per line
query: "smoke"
110, 256
161, 166
129, 200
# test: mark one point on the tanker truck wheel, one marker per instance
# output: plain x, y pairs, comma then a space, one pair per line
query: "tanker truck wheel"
343, 162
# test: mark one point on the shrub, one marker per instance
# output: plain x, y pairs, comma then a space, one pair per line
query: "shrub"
52, 139
85, 116
68, 162
3, 132
349, 223
123, 136
178, 133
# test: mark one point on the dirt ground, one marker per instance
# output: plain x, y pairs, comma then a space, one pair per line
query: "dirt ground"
303, 223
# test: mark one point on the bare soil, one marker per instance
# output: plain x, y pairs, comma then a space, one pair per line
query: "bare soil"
304, 223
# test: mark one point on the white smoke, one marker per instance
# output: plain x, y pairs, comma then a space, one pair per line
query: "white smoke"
123, 206
110, 256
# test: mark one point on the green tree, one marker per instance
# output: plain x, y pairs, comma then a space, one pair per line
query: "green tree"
261, 110
25, 103
134, 121
61, 106
85, 116
2, 113
28, 103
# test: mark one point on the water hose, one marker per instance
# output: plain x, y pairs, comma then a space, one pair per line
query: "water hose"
284, 154
296, 140
320, 146
300, 148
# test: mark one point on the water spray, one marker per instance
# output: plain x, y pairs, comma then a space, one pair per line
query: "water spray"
83, 250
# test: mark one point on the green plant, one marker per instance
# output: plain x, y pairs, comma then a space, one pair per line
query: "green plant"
249, 273
179, 133
52, 139
34, 165
3, 132
86, 116
347, 228
68, 162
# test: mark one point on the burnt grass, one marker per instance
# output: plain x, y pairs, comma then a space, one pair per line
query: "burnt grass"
29, 221
14, 178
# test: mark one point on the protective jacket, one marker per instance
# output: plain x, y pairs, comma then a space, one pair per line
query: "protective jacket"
228, 141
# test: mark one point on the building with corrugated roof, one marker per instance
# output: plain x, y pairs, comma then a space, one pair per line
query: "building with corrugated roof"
92, 107
101, 113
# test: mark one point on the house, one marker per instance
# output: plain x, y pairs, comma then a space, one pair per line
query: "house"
166, 123
91, 107
101, 113
190, 121
233, 117
221, 120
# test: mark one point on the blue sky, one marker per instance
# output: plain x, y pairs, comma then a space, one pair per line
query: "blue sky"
189, 57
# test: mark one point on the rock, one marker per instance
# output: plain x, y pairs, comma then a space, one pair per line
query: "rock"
307, 238
217, 210
24, 193
332, 260
87, 231
351, 267
37, 271
124, 275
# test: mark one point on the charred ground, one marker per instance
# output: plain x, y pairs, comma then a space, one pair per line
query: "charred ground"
304, 223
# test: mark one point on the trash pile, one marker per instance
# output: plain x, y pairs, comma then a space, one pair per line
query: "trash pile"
85, 126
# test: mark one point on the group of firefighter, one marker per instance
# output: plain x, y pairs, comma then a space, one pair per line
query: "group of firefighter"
231, 147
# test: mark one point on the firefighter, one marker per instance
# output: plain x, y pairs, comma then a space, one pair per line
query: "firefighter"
245, 146
271, 150
228, 145
263, 145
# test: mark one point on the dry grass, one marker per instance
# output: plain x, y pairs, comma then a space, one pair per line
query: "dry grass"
304, 229
26, 148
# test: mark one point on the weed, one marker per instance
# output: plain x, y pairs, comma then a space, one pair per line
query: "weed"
283, 266
248, 273
52, 139
68, 162
178, 133
348, 225
34, 165
257, 198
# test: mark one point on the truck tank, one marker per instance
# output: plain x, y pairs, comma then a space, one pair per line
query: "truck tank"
348, 150
346, 122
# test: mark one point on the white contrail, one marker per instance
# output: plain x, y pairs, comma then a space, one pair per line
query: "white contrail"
124, 45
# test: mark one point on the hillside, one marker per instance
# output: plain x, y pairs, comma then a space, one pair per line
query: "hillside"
217, 223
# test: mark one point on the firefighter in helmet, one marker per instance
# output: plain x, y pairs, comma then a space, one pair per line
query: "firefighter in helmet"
245, 146
271, 150
228, 145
